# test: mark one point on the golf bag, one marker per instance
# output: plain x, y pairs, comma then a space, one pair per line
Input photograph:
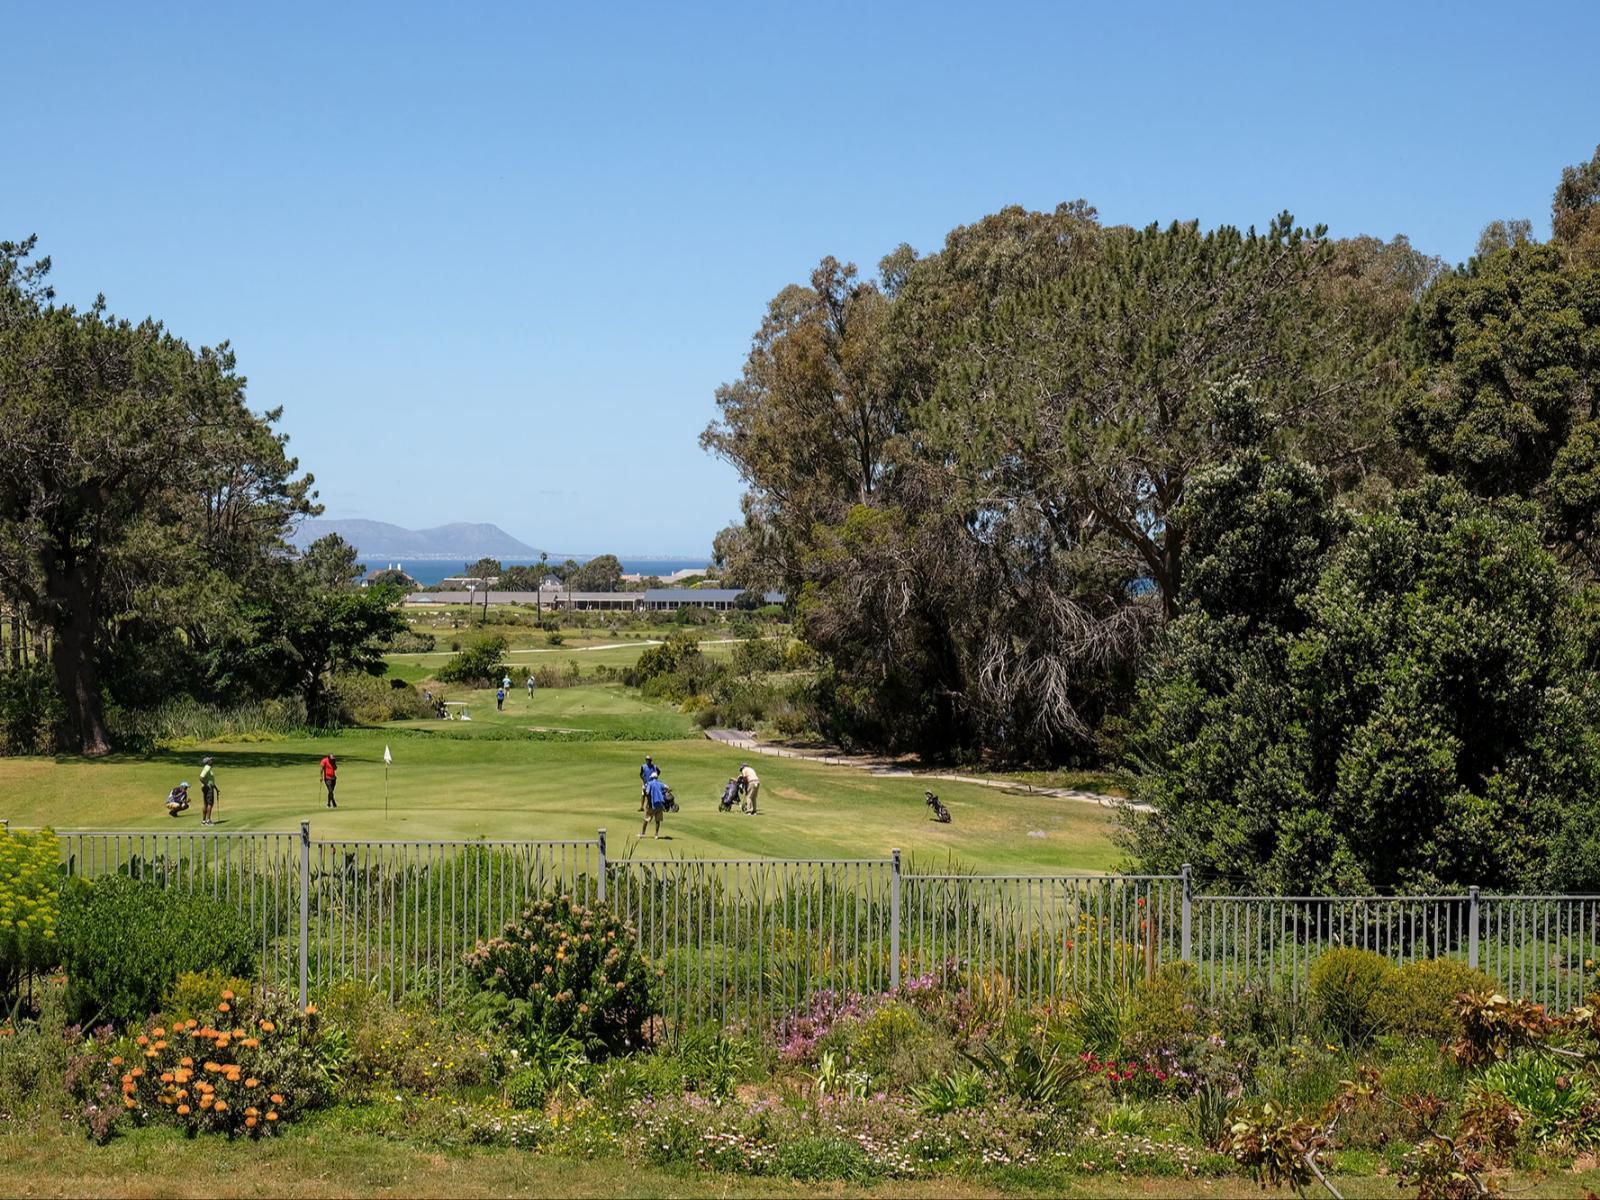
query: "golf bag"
730, 796
672, 801
940, 812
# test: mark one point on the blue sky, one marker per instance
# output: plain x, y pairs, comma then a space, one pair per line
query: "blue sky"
493, 260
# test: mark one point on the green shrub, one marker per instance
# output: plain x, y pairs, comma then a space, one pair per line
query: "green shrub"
125, 941
412, 641
33, 1062
195, 993
821, 1156
1166, 1013
30, 709
526, 1089
1419, 999
1348, 989
410, 1047
1550, 1093
477, 665
565, 970
881, 1034
951, 1093
30, 886
362, 699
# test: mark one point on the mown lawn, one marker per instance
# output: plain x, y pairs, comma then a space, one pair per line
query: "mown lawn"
519, 774
328, 1161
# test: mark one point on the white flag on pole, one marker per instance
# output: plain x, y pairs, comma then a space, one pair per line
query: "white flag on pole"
386, 759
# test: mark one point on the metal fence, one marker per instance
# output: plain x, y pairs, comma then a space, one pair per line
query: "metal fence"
747, 940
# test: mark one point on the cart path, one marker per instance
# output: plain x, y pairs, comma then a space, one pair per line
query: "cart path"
742, 740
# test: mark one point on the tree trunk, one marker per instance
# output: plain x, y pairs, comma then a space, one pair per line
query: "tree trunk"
84, 730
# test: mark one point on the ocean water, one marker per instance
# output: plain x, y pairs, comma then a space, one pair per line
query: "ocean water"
427, 571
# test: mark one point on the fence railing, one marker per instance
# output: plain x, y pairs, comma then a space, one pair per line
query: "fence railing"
746, 940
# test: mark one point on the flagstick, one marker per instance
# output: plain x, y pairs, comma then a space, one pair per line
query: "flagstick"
385, 791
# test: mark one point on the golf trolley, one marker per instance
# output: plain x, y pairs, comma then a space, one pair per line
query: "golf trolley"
940, 812
730, 796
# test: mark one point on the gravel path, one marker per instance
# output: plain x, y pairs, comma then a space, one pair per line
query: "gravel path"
747, 742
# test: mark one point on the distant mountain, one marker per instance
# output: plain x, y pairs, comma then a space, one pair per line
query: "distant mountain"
380, 540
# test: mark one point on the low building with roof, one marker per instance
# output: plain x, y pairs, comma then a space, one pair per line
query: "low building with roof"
560, 600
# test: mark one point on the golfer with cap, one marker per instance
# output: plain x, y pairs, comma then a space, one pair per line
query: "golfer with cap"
647, 772
752, 788
208, 790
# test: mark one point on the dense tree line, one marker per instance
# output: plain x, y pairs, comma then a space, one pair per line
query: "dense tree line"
143, 512
1302, 529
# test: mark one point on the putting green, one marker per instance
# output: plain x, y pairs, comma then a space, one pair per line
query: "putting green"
553, 768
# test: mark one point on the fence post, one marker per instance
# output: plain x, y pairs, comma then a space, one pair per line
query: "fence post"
894, 921
602, 866
1186, 945
305, 909
1472, 928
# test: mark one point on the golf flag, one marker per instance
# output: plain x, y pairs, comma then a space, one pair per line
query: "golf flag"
386, 759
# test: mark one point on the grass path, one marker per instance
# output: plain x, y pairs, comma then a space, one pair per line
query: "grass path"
322, 1160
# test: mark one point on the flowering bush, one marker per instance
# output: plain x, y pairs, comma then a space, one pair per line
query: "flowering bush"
566, 970
29, 888
232, 1073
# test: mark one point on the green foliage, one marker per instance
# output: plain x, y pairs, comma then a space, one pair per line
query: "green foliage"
952, 1093
195, 994
565, 970
30, 709
110, 528
1421, 998
477, 665
1349, 987
30, 885
822, 1156
370, 700
1430, 726
883, 1032
124, 941
1549, 1092
1034, 1073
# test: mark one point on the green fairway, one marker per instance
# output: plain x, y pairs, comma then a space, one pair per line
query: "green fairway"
589, 653
554, 768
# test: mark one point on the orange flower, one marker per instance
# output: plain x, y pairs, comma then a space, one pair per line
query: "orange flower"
161, 1045
186, 1061
267, 1027
149, 1053
142, 1040
224, 1007
127, 1102
190, 1023
158, 1032
252, 1042
252, 1111
205, 1102
222, 1106
250, 1083
136, 1072
166, 1077
277, 1099
311, 1010
213, 1067
226, 995
117, 1061
272, 1116
222, 1042
127, 1079
183, 1110
249, 1122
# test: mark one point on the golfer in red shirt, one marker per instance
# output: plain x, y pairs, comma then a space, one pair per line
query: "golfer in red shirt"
329, 777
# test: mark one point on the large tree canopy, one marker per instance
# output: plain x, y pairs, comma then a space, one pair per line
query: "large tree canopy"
136, 486
1425, 718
